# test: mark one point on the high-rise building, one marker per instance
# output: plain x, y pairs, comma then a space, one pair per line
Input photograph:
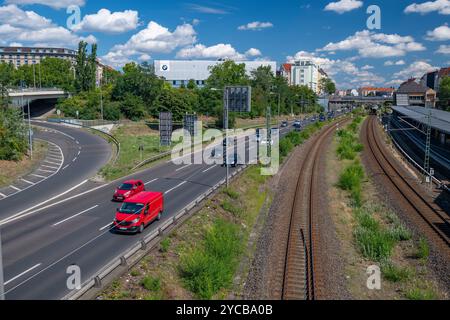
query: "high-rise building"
305, 73
19, 56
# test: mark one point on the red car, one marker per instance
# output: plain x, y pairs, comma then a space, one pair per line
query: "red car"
128, 189
139, 211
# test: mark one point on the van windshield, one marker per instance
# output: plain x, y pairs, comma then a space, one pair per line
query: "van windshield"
131, 208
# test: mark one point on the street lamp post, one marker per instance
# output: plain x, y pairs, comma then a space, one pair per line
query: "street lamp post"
30, 136
225, 126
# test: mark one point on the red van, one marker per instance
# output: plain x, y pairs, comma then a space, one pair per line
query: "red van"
139, 211
128, 189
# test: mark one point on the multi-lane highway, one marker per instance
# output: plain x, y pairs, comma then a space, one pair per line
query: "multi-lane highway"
42, 240
75, 156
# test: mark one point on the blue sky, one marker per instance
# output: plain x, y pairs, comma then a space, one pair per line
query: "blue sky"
414, 35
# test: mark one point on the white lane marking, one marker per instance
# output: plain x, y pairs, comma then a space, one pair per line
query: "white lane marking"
151, 181
37, 175
179, 169
107, 226
66, 167
53, 158
78, 142
2, 195
170, 190
75, 215
26, 181
28, 211
23, 273
15, 188
74, 159
52, 162
50, 167
210, 168
42, 170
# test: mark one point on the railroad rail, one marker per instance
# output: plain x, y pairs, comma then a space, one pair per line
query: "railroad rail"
416, 203
300, 280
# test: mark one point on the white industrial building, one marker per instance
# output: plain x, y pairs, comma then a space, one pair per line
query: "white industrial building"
179, 72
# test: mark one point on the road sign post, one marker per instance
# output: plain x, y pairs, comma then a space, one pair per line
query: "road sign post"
165, 128
235, 99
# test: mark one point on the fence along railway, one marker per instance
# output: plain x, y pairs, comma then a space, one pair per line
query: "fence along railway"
419, 206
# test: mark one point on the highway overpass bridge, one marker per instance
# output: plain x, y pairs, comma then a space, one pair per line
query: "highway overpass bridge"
336, 103
42, 100
21, 97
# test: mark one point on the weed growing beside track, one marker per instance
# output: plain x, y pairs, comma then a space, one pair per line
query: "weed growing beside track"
378, 234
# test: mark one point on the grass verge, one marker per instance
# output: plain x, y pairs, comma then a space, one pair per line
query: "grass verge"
131, 137
12, 170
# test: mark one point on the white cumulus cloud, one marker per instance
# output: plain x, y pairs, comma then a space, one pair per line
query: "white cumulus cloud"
55, 4
153, 39
441, 33
376, 45
444, 49
256, 26
415, 70
441, 6
343, 6
109, 22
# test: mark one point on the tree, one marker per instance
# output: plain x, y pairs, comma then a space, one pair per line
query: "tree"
85, 68
178, 101
13, 138
444, 93
326, 85
262, 82
141, 82
133, 107
227, 73
6, 78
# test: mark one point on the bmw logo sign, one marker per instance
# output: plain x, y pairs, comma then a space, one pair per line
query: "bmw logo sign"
165, 67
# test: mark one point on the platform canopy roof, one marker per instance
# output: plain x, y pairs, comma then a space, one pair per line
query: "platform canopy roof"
440, 120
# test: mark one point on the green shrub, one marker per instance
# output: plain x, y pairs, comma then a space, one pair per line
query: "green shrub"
210, 266
351, 178
13, 134
395, 274
286, 147
421, 294
231, 193
374, 244
228, 206
423, 251
165, 245
400, 233
151, 283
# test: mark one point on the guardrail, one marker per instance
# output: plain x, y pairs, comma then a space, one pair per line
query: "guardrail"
75, 123
135, 252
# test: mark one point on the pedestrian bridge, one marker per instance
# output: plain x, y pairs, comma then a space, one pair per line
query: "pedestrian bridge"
21, 97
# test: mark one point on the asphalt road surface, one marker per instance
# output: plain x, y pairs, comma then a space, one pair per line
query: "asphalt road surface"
41, 241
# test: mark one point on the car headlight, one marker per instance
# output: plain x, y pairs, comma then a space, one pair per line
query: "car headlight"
127, 194
135, 221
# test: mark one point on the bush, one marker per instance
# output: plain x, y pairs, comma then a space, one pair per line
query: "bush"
151, 283
231, 193
395, 274
286, 147
13, 135
423, 252
111, 111
351, 180
374, 244
133, 107
228, 206
420, 294
400, 233
165, 245
210, 267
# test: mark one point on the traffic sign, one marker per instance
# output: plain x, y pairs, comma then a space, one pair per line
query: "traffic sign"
165, 128
239, 98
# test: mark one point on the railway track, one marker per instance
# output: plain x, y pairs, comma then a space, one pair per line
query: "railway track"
300, 281
419, 207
